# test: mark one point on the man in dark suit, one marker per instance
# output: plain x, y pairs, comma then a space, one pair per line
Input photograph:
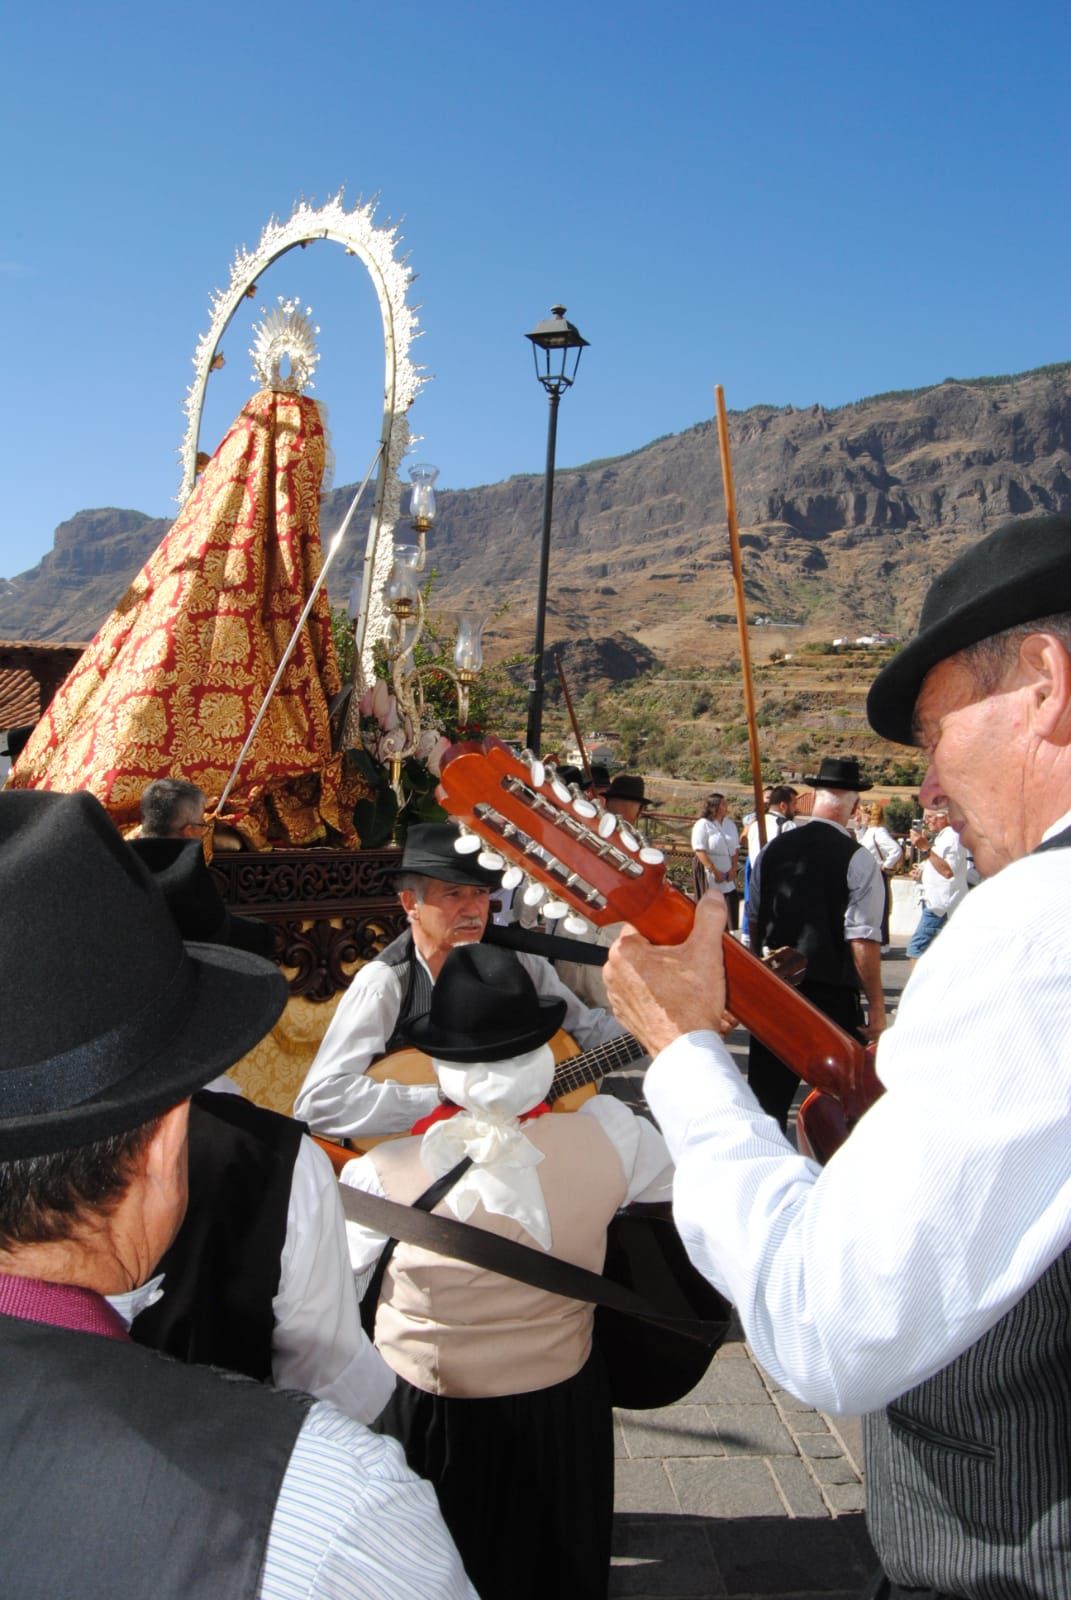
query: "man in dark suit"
816, 889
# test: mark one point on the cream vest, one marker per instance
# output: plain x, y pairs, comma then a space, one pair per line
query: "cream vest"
454, 1329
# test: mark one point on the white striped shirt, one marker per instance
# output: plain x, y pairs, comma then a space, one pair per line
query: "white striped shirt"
353, 1523
952, 1196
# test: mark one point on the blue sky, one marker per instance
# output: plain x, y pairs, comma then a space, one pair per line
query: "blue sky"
801, 203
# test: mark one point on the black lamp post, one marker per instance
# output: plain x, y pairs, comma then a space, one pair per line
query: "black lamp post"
556, 346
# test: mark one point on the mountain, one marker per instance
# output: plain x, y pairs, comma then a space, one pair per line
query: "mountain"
845, 515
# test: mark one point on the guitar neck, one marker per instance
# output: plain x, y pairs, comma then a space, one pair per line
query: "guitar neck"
526, 815
594, 1064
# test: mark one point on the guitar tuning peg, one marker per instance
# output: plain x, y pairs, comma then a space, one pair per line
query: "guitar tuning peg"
561, 791
584, 808
554, 909
512, 877
576, 925
537, 770
466, 843
628, 839
651, 856
490, 860
606, 824
534, 893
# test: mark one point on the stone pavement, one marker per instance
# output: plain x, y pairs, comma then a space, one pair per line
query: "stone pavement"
739, 1490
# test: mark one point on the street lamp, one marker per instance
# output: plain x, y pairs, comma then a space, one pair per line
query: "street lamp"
556, 347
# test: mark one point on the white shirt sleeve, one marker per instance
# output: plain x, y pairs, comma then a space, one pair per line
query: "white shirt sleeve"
952, 1195
888, 848
866, 898
337, 1097
364, 1245
588, 1025
352, 1522
642, 1150
318, 1343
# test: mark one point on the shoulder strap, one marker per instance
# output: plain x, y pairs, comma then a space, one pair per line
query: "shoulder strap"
424, 1203
491, 1251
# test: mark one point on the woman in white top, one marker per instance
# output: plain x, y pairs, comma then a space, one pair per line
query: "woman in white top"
887, 852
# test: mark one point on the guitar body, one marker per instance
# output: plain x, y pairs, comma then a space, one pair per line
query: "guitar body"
411, 1066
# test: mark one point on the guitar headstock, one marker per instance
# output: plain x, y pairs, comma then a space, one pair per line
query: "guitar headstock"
585, 855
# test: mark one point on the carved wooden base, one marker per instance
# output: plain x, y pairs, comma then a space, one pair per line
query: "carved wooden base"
331, 909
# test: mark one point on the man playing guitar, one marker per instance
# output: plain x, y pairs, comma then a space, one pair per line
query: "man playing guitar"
446, 897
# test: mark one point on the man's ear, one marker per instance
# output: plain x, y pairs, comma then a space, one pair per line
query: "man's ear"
409, 902
167, 1147
1046, 664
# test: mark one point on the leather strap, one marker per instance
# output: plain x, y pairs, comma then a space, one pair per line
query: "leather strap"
447, 1237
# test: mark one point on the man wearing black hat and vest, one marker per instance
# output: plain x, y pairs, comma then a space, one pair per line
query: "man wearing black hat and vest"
125, 1472
501, 1401
924, 1276
446, 895
815, 888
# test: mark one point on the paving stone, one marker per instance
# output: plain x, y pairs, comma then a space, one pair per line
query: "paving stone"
726, 1489
730, 1383
662, 1556
680, 1430
817, 1444
620, 1447
781, 1557
643, 1487
849, 1430
846, 1496
751, 1431
838, 1469
798, 1487
733, 1350
788, 1402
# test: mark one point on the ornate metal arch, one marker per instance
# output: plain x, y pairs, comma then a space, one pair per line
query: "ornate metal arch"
391, 277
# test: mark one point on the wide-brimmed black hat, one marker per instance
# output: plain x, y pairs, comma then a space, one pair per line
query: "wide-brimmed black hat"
629, 786
200, 912
838, 772
1018, 573
109, 1018
484, 1007
431, 850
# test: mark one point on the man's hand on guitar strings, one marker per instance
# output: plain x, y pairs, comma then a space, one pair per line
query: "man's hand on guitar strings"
661, 991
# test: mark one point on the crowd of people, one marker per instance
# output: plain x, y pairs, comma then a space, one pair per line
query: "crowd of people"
192, 1406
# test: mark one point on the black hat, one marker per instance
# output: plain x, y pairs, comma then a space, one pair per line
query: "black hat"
628, 786
109, 1019
15, 740
182, 875
1018, 573
838, 772
484, 1007
569, 774
431, 850
600, 776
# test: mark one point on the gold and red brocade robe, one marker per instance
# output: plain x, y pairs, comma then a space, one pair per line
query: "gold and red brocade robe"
172, 682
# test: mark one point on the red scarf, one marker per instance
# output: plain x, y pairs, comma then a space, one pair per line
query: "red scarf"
444, 1112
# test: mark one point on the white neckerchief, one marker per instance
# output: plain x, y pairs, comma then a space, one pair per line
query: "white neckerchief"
503, 1177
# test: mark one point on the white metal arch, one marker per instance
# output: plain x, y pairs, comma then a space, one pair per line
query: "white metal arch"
391, 277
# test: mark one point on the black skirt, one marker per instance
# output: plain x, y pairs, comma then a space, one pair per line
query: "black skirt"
525, 1482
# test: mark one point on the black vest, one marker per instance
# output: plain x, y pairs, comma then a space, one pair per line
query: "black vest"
128, 1474
415, 982
222, 1272
803, 895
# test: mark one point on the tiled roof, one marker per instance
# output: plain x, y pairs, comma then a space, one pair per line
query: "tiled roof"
20, 698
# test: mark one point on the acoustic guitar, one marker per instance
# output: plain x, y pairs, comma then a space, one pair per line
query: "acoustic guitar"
593, 861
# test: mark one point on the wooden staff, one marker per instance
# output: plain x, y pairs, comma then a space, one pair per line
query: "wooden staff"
584, 762
741, 609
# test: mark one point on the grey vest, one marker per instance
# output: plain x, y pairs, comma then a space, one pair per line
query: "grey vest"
127, 1474
415, 982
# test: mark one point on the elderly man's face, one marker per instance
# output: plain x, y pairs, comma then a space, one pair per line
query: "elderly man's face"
976, 753
449, 914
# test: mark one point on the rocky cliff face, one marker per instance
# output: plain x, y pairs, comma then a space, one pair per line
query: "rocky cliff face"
845, 517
